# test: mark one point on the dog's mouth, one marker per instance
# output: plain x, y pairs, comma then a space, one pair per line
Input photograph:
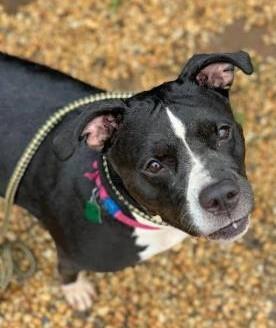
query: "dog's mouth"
232, 230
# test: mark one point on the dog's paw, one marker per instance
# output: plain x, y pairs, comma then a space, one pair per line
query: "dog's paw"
79, 294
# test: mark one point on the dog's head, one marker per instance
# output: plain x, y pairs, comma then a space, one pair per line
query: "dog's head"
178, 149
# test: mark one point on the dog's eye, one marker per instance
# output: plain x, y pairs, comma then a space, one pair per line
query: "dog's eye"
224, 132
154, 166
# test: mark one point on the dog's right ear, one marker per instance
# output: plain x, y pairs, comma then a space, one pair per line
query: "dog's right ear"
216, 70
97, 123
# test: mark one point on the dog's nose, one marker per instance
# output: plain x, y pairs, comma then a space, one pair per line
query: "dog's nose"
220, 197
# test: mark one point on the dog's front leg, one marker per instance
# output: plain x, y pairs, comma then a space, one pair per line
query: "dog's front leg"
77, 290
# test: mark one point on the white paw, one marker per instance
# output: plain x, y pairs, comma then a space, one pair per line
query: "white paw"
79, 293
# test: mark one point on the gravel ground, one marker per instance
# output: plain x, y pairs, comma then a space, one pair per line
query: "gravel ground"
136, 45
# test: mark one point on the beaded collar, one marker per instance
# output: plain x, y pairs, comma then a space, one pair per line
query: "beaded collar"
100, 196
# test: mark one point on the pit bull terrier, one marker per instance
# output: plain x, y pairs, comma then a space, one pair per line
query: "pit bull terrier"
109, 177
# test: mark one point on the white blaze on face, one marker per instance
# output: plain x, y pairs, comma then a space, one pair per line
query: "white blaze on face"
198, 178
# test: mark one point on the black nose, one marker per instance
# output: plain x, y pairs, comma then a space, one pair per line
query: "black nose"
220, 197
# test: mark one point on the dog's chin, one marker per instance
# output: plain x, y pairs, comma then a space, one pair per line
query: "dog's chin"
231, 232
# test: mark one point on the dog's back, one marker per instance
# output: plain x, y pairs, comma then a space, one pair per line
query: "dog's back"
29, 93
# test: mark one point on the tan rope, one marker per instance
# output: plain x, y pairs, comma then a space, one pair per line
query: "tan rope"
8, 267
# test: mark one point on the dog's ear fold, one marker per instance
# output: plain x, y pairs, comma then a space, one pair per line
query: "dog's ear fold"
62, 143
97, 123
216, 70
100, 128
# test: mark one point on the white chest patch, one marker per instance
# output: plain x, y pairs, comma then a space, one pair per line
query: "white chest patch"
156, 241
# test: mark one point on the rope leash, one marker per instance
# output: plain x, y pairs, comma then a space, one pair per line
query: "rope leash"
8, 267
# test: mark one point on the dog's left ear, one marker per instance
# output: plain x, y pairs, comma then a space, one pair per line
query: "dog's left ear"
97, 124
216, 70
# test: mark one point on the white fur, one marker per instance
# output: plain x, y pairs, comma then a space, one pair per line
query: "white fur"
199, 178
156, 241
79, 293
179, 130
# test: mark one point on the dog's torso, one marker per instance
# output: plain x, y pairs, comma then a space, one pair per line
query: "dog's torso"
29, 94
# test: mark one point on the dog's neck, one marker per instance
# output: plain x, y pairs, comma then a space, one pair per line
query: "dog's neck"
118, 184
115, 186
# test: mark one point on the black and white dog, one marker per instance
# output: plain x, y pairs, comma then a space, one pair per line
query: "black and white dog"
105, 179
